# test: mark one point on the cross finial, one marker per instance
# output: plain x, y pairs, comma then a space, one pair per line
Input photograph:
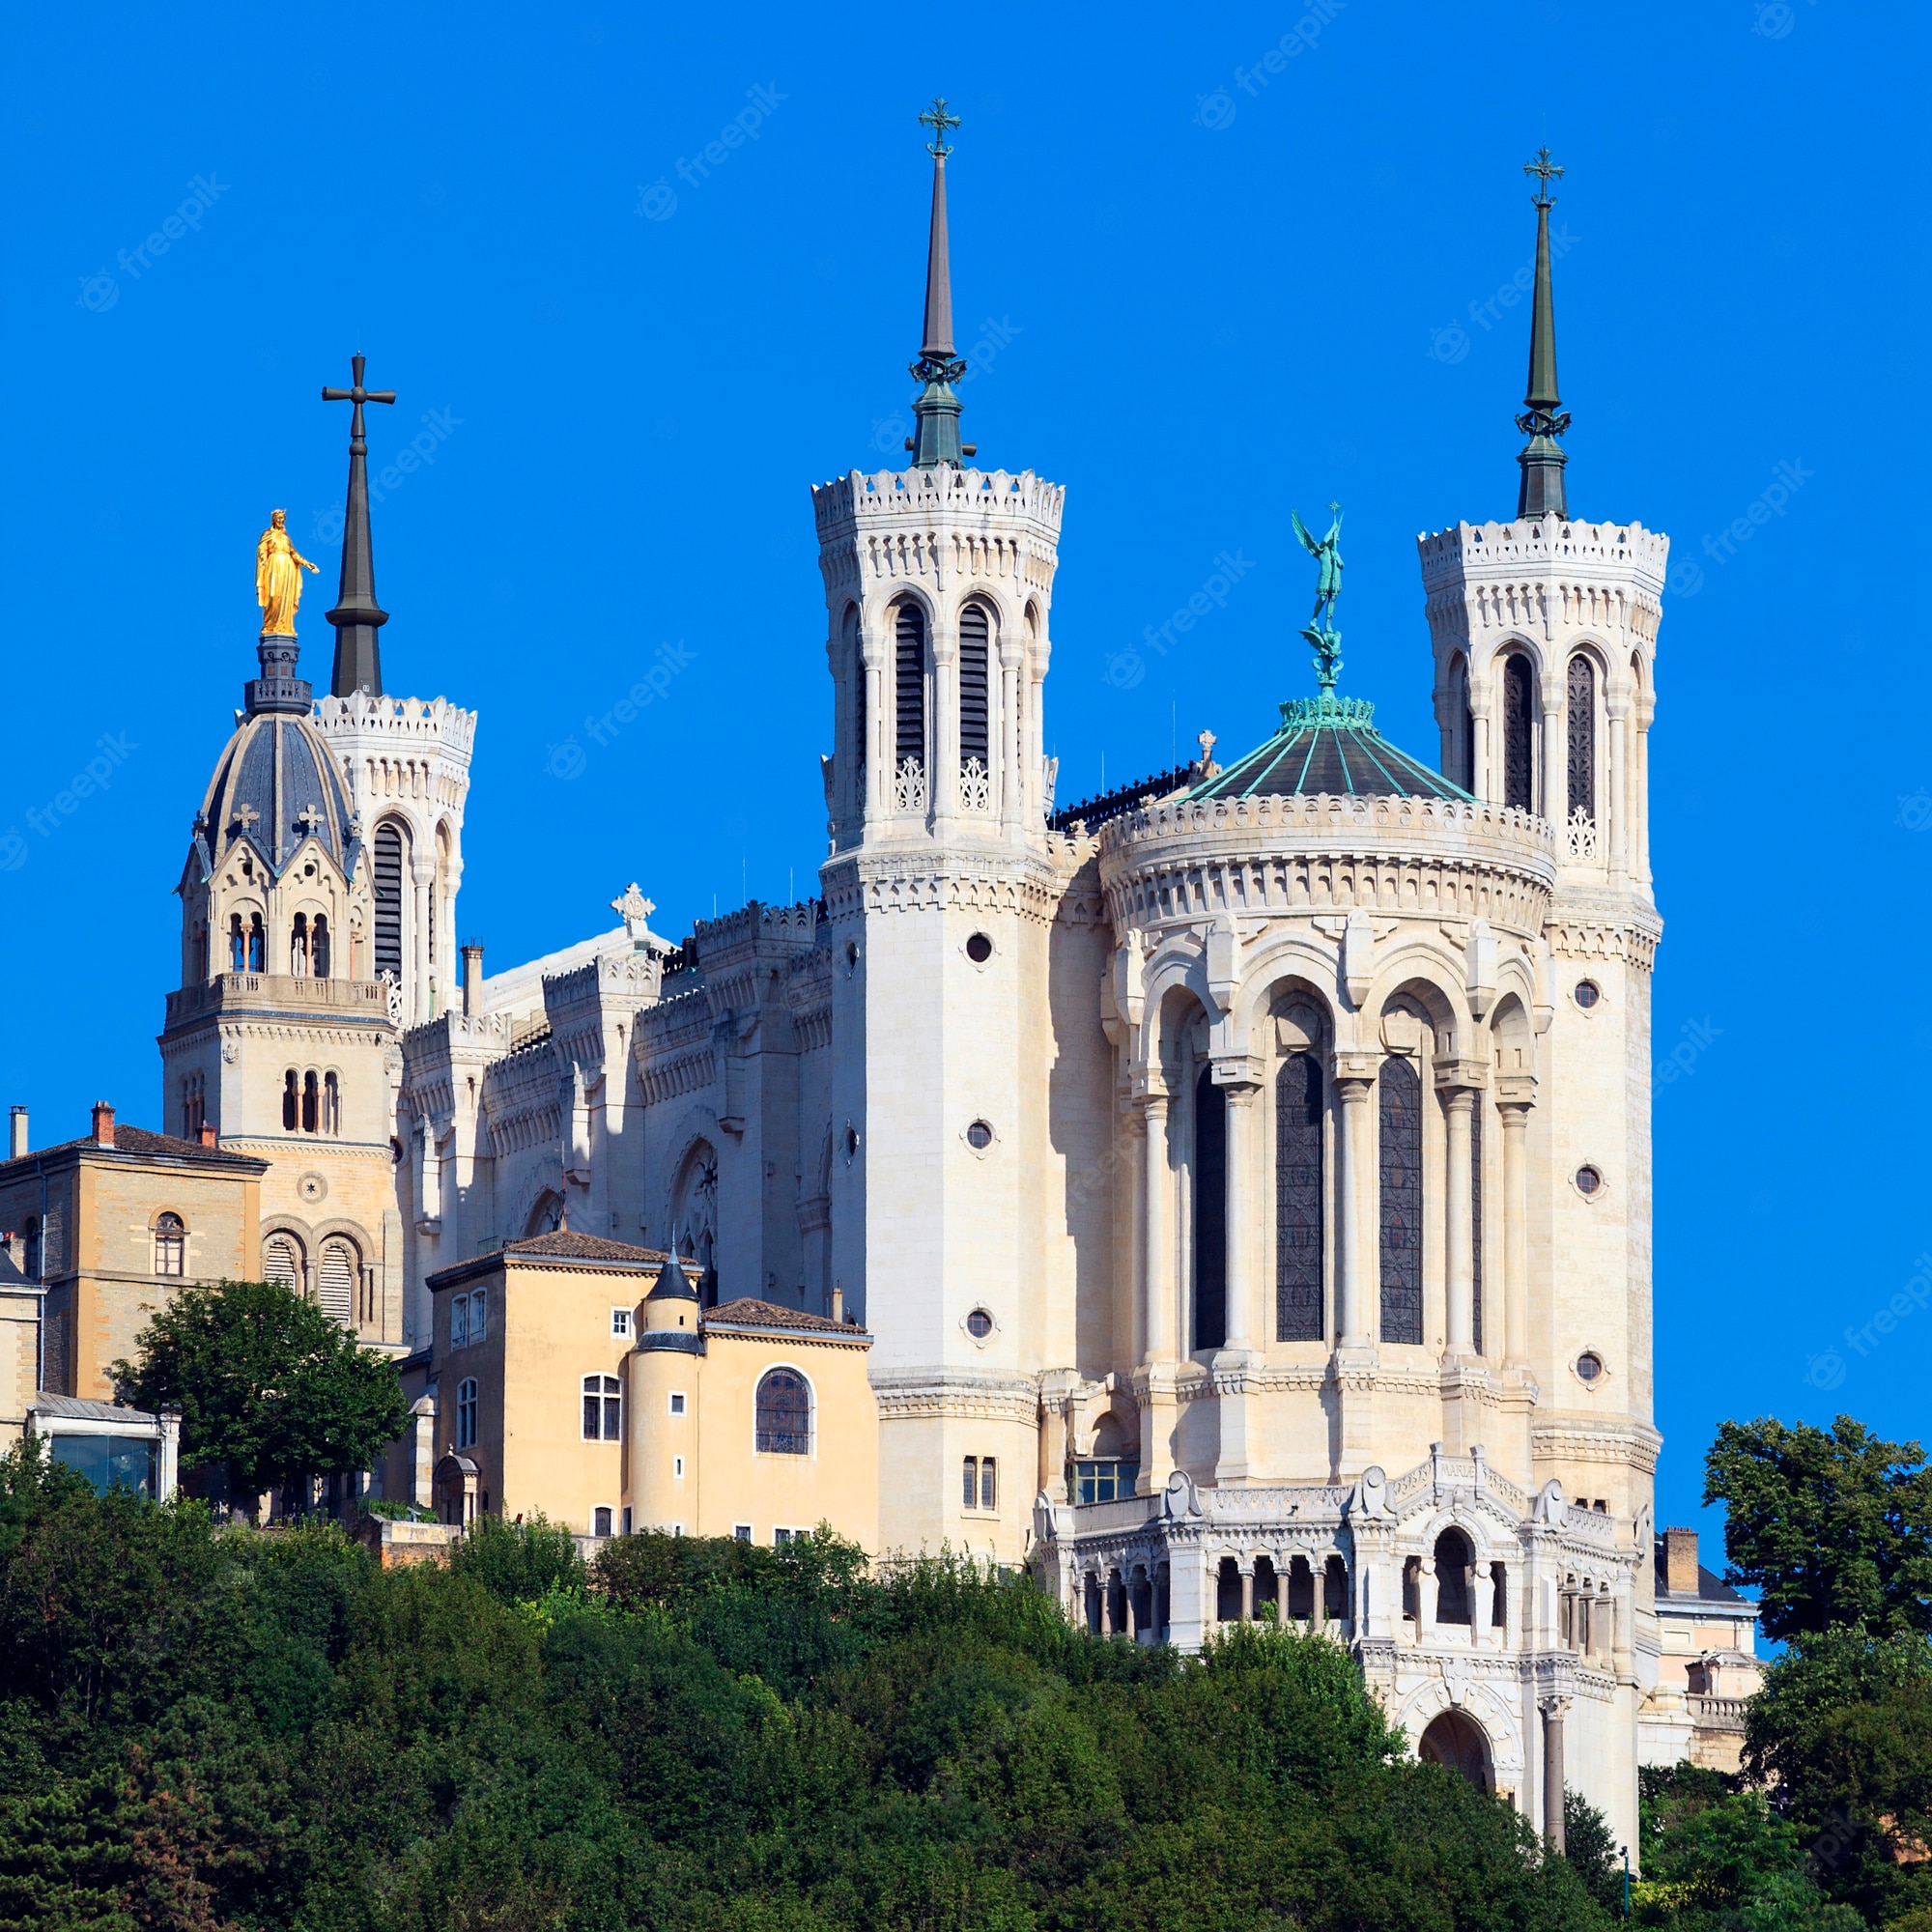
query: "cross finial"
245, 815
357, 395
939, 121
1545, 170
309, 818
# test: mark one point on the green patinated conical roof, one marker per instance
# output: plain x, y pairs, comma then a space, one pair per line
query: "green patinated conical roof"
1328, 745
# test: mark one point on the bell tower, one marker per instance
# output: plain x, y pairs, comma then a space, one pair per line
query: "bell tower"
939, 584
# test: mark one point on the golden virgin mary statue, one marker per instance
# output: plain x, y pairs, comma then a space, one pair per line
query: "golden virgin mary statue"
278, 584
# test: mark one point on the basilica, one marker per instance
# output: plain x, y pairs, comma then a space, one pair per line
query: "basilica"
1230, 1197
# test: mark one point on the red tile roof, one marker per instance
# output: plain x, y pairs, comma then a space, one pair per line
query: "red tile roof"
749, 1313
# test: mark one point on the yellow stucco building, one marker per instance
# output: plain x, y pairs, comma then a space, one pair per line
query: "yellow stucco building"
582, 1379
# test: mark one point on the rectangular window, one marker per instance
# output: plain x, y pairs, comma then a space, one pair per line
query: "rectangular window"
459, 1321
600, 1522
613, 1414
677, 1465
466, 1412
677, 1401
989, 1487
742, 1531
1101, 1482
627, 1519
620, 1320
781, 1537
970, 1484
478, 1321
592, 1418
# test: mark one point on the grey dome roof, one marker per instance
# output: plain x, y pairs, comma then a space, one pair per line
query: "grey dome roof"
274, 782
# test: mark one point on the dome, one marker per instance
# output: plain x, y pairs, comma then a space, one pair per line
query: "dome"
277, 782
1330, 746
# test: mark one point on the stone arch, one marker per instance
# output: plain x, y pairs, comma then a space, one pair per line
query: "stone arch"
545, 1215
1513, 1038
1454, 1740
694, 1211
1484, 1707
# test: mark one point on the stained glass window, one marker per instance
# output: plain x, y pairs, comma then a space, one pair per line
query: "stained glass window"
1297, 1200
1518, 713
784, 1415
1401, 1202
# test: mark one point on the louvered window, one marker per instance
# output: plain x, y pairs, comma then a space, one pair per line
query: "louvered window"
1581, 694
335, 1283
910, 667
282, 1262
1518, 769
388, 901
1299, 1217
975, 633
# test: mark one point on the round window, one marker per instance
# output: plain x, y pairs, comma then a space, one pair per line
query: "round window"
978, 1324
979, 949
851, 1142
1588, 1181
1587, 994
980, 1136
851, 957
1589, 1367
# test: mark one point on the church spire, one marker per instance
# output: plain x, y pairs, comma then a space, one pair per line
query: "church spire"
1543, 420
358, 616
936, 440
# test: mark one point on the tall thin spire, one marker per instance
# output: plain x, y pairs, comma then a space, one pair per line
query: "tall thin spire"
936, 438
358, 616
1543, 418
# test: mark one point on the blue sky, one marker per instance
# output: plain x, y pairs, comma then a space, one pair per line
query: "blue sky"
1194, 291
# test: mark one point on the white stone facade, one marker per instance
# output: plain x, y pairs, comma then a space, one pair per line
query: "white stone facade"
1249, 1196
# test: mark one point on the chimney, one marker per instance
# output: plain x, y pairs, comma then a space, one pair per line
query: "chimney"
18, 1134
104, 1124
1680, 1562
472, 978
208, 1135
838, 1304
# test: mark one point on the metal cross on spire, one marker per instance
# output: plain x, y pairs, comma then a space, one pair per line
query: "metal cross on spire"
356, 615
1545, 170
359, 395
939, 121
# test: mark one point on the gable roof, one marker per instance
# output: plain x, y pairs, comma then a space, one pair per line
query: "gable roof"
140, 1141
749, 1312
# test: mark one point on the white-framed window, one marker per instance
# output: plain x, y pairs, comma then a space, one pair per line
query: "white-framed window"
782, 1410
600, 1519
170, 1247
620, 1321
466, 1412
602, 1410
979, 1484
741, 1532
781, 1537
479, 1319
459, 1321
677, 1401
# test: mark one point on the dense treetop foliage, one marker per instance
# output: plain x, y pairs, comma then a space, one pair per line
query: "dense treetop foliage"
204, 1726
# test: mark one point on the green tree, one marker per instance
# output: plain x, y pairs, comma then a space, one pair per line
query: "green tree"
268, 1386
1591, 1849
1828, 1527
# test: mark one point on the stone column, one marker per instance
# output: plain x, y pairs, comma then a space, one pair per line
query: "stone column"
1355, 1277
1284, 1571
1616, 784
1555, 806
1317, 1608
1482, 1603
1131, 1617
1516, 1234
1157, 1250
1553, 1708
875, 780
1106, 1602
943, 732
422, 877
1478, 739
1005, 746
1248, 1591
1459, 1103
1425, 1601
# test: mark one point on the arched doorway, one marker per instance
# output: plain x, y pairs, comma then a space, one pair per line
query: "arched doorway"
1457, 1742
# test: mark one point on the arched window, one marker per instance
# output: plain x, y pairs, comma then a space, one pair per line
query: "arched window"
1210, 1212
1453, 1569
282, 1261
909, 687
170, 1247
1519, 715
1476, 1225
331, 1104
1498, 1595
784, 1418
1463, 727
258, 944
466, 1412
291, 1100
199, 951
975, 639
318, 947
32, 1264
298, 946
1582, 701
1297, 1200
310, 1102
1402, 1201
238, 945
546, 1216
389, 899
336, 1269
602, 1410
